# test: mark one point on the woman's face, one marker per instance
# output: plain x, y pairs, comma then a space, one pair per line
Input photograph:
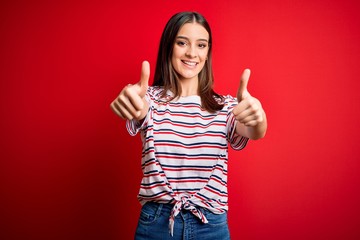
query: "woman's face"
190, 50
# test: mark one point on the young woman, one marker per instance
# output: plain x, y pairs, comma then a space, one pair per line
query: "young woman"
185, 129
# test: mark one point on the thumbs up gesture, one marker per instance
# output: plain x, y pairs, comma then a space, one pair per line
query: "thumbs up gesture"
131, 103
249, 111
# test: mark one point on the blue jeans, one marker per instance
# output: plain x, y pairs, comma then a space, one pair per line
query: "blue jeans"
154, 224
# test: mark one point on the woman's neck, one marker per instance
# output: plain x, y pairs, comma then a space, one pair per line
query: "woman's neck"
189, 87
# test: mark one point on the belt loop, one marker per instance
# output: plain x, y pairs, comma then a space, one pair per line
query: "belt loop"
158, 211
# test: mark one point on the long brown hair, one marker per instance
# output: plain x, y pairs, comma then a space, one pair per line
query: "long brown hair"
165, 74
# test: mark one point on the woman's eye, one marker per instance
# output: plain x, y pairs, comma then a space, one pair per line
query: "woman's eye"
202, 45
181, 43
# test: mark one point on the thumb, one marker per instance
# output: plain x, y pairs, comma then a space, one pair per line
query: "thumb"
242, 91
144, 79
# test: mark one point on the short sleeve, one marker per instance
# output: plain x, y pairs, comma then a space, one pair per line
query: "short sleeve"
236, 141
134, 126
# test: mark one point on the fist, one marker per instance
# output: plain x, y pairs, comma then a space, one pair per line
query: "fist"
130, 104
248, 111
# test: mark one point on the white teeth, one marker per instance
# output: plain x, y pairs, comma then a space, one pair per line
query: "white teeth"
190, 63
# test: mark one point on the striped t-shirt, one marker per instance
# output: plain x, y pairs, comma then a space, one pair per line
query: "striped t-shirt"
185, 152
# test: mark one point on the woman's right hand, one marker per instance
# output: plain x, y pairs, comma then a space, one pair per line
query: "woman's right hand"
131, 103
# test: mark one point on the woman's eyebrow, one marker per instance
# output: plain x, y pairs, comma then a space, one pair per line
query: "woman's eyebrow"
201, 39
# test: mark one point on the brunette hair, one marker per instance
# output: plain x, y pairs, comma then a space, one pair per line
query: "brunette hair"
165, 74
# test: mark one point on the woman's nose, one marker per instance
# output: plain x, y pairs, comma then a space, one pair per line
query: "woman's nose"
191, 52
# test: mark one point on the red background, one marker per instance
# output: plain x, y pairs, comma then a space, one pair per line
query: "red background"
69, 170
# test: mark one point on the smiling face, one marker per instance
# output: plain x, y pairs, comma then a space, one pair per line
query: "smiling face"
190, 51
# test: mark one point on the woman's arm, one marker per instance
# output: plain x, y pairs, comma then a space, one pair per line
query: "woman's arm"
249, 113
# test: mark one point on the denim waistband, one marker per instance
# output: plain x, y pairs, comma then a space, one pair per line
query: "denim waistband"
174, 209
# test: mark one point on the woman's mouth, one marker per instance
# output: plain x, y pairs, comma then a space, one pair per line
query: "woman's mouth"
189, 63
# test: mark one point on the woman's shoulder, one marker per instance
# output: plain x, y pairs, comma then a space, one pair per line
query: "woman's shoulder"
225, 99
229, 98
155, 91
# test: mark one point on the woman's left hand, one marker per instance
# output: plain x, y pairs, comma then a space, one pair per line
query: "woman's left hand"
249, 110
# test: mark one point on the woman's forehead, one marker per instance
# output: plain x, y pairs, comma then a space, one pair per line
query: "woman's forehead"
193, 31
